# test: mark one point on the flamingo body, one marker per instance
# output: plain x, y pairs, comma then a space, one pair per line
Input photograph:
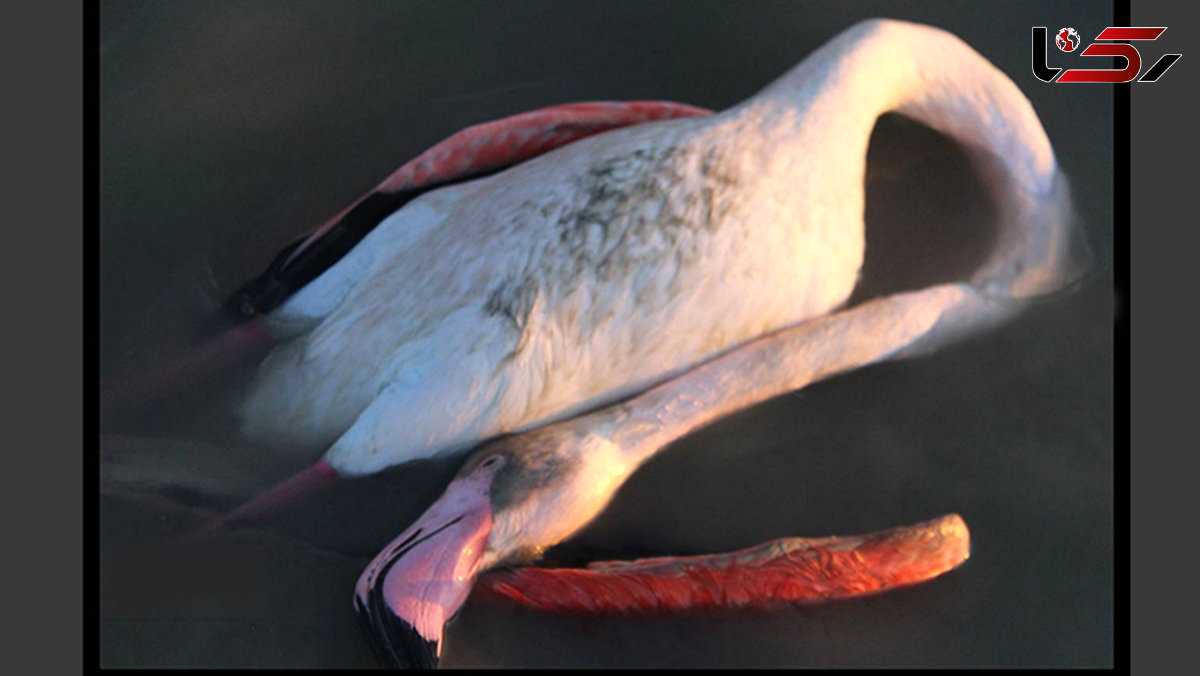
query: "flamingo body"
561, 284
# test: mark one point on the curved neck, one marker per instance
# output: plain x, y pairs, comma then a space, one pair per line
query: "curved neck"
791, 359
929, 75
924, 73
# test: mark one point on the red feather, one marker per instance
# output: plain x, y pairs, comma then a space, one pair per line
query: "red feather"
791, 570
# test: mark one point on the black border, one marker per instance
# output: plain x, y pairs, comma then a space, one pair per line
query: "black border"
1121, 355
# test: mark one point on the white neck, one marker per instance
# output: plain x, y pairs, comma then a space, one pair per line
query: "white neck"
925, 73
880, 66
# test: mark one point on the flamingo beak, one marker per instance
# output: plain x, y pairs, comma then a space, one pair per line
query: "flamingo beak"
421, 579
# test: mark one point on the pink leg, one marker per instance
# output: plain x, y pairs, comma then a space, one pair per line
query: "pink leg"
173, 375
281, 498
791, 570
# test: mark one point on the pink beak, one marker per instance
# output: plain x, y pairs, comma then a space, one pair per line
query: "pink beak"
420, 580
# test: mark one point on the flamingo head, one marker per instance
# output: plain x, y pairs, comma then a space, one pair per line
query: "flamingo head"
512, 498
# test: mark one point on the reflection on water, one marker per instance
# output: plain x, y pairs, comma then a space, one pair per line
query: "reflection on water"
229, 127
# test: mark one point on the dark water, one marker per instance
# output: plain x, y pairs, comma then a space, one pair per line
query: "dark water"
228, 127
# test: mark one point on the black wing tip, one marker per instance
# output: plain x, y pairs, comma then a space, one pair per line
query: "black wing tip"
396, 643
257, 297
290, 271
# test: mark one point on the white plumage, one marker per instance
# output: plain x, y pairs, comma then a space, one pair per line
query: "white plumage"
611, 264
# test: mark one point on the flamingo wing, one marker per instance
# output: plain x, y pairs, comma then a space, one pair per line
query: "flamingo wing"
471, 153
476, 151
790, 570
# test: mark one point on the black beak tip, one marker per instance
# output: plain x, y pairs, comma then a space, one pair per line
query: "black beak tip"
396, 643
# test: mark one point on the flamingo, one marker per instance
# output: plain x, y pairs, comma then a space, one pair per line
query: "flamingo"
697, 263
1032, 261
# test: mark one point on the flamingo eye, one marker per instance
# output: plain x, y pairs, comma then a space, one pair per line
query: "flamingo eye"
489, 462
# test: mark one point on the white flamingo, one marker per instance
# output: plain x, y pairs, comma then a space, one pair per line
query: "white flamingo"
702, 262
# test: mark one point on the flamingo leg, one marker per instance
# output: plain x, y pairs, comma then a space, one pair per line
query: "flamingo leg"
283, 497
789, 570
242, 344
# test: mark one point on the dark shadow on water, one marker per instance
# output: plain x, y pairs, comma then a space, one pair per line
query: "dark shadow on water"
929, 216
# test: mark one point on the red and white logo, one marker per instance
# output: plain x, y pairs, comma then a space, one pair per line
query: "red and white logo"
1112, 41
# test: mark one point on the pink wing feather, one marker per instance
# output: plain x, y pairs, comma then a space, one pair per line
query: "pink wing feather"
791, 570
489, 146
